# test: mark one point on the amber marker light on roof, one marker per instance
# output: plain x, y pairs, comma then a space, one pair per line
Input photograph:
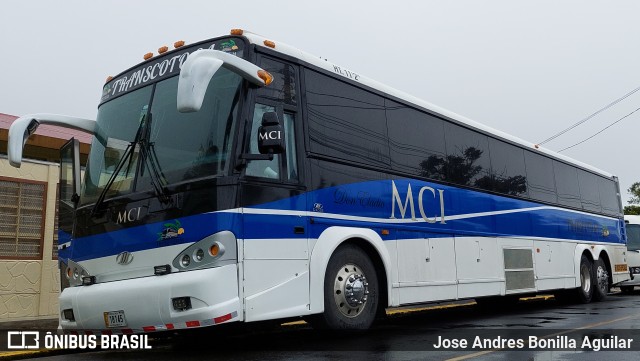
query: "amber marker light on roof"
148, 56
265, 76
237, 32
178, 44
270, 43
109, 78
163, 50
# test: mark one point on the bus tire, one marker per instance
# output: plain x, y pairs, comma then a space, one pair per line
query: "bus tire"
584, 293
600, 280
350, 291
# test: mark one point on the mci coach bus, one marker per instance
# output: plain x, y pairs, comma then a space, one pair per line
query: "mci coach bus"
240, 179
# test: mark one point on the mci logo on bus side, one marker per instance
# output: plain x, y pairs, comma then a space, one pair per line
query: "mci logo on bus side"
426, 196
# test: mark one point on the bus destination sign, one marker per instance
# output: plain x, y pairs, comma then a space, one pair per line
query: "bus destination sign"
164, 67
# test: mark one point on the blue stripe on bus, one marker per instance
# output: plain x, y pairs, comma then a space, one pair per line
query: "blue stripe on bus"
369, 205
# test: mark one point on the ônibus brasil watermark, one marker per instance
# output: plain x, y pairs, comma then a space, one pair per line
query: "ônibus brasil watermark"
35, 340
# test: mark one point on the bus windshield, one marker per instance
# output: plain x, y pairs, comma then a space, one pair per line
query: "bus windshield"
179, 146
633, 237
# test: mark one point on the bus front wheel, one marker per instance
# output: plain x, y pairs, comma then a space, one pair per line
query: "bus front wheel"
350, 291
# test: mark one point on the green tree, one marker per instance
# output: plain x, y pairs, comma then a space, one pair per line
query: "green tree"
634, 202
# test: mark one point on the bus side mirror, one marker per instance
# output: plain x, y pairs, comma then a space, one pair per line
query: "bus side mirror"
270, 135
198, 70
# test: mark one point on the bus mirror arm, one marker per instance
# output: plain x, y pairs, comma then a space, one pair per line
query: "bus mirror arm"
198, 70
22, 128
246, 157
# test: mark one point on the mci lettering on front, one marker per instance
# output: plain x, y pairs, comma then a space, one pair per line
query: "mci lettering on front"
267, 184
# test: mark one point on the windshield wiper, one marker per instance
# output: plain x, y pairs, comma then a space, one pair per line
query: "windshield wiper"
150, 159
128, 154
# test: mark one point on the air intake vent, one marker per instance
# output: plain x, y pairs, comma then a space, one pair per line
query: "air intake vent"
518, 269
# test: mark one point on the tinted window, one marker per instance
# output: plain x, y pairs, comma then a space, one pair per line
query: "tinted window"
507, 166
467, 161
633, 236
540, 182
346, 122
567, 185
609, 196
589, 193
416, 140
283, 86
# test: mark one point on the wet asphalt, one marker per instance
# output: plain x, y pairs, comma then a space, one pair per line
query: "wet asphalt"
414, 335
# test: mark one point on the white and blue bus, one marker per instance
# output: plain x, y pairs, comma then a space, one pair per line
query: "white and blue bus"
632, 231
241, 179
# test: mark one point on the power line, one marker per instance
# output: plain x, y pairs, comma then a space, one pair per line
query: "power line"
590, 116
602, 130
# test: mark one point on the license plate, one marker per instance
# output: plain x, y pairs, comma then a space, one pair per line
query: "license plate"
115, 319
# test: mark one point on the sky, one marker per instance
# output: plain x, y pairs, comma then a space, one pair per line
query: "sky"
528, 68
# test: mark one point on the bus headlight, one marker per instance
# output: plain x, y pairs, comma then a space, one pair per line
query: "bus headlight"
216, 250
75, 273
199, 255
185, 261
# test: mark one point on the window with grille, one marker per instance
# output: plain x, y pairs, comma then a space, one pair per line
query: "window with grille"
22, 213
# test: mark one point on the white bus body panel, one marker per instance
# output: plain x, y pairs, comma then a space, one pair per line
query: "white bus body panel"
552, 269
147, 301
275, 278
426, 270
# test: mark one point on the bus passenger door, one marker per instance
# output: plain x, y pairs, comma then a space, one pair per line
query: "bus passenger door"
276, 254
69, 190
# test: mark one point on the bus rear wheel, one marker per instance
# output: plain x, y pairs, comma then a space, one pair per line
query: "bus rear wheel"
600, 280
350, 291
585, 291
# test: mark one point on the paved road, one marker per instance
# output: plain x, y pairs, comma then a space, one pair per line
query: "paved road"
411, 336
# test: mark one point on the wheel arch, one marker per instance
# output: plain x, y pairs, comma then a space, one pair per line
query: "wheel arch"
332, 238
607, 262
593, 252
581, 249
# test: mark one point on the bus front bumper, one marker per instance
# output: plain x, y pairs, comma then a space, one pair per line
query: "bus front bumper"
147, 304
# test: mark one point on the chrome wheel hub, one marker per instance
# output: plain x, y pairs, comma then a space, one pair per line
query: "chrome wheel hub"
585, 278
350, 290
603, 279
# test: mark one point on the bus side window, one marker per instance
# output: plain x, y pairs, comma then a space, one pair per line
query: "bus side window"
272, 168
261, 168
290, 151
